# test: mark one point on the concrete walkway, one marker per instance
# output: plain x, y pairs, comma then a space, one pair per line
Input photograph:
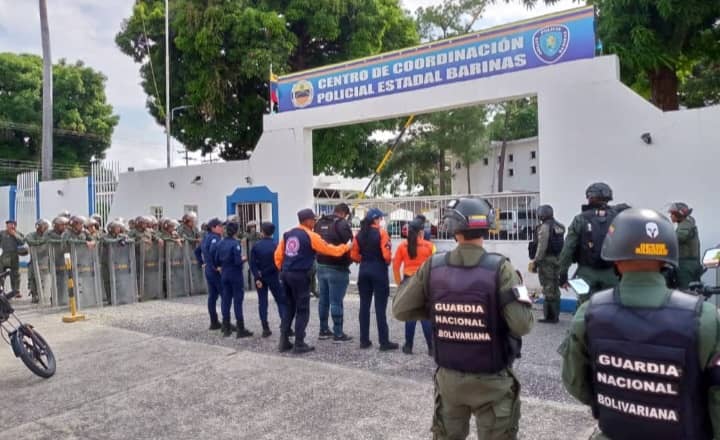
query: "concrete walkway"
153, 371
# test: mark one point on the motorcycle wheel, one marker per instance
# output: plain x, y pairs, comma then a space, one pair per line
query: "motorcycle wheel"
34, 351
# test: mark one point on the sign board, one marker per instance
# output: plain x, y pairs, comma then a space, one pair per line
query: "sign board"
538, 42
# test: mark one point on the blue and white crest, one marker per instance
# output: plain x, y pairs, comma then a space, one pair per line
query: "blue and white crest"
550, 43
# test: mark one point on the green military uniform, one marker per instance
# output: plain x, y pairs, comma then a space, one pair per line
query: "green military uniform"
548, 269
10, 258
70, 236
637, 290
597, 279
492, 398
689, 267
33, 239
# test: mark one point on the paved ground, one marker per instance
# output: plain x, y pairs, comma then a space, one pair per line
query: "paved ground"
153, 370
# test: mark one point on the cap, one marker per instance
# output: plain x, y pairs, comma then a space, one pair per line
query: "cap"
214, 223
373, 214
9, 221
305, 214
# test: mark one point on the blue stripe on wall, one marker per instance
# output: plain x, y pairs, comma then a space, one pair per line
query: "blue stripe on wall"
13, 195
255, 194
91, 195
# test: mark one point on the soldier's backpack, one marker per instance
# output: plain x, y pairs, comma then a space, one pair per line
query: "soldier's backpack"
557, 241
327, 228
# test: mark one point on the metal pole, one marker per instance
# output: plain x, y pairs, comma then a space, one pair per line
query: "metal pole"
167, 81
47, 124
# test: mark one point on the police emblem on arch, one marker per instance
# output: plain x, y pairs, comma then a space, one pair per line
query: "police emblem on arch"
551, 42
302, 93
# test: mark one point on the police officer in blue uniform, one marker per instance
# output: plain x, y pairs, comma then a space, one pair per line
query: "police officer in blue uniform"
295, 256
228, 257
645, 358
204, 256
267, 277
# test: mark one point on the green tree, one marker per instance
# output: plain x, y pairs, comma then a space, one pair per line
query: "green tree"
221, 52
657, 39
449, 18
83, 121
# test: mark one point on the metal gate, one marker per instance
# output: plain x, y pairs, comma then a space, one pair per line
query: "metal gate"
104, 177
26, 201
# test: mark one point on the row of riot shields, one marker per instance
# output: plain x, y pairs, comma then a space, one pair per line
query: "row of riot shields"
116, 273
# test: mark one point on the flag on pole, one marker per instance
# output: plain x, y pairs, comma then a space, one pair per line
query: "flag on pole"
274, 98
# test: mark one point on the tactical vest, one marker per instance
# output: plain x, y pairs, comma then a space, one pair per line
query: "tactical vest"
299, 254
647, 382
370, 249
469, 332
597, 223
327, 227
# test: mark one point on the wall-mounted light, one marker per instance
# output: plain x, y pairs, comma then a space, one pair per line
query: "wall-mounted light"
197, 180
60, 193
172, 184
249, 180
647, 138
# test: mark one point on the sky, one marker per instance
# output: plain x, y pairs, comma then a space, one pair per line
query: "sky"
85, 30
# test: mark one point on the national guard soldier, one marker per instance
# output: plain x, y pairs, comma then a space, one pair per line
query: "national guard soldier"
294, 257
59, 225
548, 245
36, 238
168, 231
115, 234
689, 268
93, 229
643, 357
479, 311
10, 242
585, 238
76, 232
188, 230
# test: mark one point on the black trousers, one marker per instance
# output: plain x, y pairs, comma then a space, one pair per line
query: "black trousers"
297, 292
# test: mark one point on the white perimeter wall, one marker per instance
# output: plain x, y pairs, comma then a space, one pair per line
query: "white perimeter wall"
74, 197
4, 205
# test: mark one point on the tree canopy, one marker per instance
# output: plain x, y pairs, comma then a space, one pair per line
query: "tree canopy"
221, 54
83, 120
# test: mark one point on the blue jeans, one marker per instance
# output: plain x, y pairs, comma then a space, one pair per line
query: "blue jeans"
214, 292
373, 281
271, 283
333, 284
410, 332
233, 294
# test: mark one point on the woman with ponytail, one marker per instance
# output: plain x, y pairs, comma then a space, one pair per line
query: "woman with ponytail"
411, 254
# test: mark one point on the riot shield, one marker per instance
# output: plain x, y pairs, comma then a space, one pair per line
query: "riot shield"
42, 268
194, 272
58, 272
175, 280
149, 270
86, 274
121, 271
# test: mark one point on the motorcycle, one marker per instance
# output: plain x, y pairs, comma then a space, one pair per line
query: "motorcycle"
27, 344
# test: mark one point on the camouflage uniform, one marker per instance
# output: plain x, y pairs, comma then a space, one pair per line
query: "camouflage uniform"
10, 258
689, 268
548, 269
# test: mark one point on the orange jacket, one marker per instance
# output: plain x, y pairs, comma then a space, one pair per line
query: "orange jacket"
318, 245
385, 245
425, 250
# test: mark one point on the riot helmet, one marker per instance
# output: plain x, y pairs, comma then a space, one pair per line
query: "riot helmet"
467, 214
599, 191
680, 210
545, 212
641, 234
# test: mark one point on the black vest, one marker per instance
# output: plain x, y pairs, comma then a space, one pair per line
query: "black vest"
469, 332
647, 381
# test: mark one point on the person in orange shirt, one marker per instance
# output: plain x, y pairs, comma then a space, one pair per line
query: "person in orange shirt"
294, 257
411, 254
372, 249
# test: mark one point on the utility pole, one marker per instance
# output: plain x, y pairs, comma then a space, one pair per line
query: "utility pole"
187, 156
46, 155
167, 81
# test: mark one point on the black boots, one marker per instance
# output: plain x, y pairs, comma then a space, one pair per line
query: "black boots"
285, 344
225, 328
266, 330
302, 348
242, 332
215, 325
